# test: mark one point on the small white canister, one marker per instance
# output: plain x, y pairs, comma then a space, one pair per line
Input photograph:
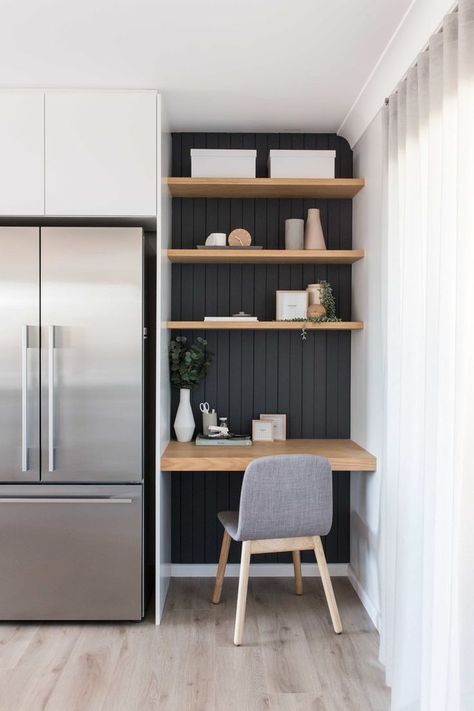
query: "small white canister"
314, 294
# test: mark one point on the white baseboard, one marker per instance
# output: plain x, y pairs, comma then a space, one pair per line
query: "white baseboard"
257, 570
370, 608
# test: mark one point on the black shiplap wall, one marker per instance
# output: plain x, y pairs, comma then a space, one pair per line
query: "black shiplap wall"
256, 372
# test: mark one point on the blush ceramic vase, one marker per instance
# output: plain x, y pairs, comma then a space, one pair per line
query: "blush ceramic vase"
313, 234
184, 424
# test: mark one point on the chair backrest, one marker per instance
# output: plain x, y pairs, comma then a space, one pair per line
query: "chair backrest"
286, 496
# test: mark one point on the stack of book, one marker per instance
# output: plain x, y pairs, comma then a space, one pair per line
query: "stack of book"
239, 440
230, 318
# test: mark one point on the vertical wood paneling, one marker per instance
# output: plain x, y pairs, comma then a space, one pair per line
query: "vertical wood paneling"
255, 372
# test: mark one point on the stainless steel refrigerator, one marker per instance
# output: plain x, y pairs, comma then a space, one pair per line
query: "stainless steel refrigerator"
71, 423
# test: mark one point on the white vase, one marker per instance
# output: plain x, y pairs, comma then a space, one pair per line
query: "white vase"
313, 234
184, 424
294, 234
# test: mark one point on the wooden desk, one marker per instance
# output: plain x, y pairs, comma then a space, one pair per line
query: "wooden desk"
344, 455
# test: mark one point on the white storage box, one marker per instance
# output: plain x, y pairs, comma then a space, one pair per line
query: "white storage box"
301, 164
217, 163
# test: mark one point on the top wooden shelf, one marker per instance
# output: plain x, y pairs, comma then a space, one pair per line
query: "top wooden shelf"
265, 256
265, 187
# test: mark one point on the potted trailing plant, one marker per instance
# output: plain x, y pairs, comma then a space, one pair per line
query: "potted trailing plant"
329, 311
188, 366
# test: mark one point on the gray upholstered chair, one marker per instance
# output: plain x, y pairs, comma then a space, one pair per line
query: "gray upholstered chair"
285, 505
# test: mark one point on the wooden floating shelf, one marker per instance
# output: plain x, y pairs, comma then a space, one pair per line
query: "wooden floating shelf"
343, 454
265, 256
265, 187
232, 325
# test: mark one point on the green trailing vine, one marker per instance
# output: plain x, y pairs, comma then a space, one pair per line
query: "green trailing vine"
329, 303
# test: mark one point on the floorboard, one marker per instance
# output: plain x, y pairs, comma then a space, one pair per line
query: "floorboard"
291, 660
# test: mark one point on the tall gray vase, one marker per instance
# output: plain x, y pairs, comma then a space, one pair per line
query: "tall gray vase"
313, 234
294, 234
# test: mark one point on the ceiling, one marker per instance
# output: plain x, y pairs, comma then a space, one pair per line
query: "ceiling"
244, 65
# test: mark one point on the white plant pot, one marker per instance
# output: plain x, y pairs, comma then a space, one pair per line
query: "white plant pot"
184, 424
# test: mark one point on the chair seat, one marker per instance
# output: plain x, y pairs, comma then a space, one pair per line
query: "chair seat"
230, 521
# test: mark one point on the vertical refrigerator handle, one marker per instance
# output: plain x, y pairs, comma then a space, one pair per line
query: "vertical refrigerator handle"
24, 399
51, 414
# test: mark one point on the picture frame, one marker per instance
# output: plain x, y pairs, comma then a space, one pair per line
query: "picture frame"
291, 304
278, 425
262, 431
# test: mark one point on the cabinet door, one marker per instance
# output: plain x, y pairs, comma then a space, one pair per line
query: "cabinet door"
22, 153
100, 153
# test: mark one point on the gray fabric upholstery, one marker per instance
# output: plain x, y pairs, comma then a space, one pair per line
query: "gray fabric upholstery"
230, 521
283, 497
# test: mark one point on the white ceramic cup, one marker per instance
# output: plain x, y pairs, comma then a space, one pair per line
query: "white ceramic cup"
217, 239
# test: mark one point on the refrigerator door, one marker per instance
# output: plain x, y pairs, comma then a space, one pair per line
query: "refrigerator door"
19, 354
92, 343
71, 552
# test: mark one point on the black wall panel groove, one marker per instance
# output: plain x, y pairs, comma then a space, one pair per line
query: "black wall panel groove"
260, 371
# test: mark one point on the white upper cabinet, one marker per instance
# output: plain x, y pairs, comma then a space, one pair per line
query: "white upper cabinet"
21, 153
100, 153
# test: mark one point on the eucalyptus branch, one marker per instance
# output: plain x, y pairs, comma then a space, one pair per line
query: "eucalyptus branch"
188, 364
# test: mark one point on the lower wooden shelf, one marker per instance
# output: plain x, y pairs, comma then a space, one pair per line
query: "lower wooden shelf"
343, 454
232, 324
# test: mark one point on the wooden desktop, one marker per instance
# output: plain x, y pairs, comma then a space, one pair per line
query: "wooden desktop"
343, 454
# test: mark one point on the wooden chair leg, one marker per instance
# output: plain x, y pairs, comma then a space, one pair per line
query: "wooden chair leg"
327, 585
221, 566
242, 595
297, 568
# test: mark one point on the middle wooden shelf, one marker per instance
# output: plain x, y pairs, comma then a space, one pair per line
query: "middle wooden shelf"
265, 256
233, 324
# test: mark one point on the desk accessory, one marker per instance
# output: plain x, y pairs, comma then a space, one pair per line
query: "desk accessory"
314, 293
262, 431
316, 311
228, 246
294, 234
233, 440
313, 234
278, 424
216, 239
209, 419
241, 316
240, 238
223, 162
188, 366
291, 305
284, 163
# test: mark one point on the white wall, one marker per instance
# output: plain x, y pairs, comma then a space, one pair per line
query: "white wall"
367, 380
163, 314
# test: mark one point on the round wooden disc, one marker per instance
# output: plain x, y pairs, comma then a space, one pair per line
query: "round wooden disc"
240, 238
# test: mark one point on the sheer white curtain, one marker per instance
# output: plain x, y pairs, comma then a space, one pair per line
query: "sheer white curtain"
427, 634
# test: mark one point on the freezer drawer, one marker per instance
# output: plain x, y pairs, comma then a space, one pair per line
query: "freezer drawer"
71, 552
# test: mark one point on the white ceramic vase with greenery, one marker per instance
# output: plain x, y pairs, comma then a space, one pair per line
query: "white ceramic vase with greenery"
188, 366
184, 424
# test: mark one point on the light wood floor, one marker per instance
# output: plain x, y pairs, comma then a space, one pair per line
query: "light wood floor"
291, 660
